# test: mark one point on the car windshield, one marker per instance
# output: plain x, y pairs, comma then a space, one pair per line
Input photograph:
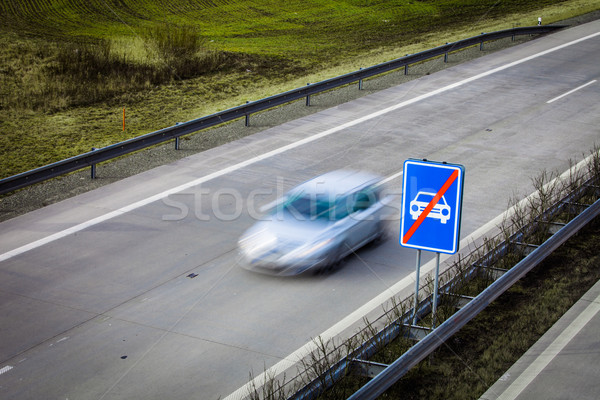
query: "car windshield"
309, 207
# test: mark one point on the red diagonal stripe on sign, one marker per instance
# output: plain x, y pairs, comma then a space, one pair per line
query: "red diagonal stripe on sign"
430, 206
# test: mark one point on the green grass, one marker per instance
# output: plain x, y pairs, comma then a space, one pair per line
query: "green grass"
68, 68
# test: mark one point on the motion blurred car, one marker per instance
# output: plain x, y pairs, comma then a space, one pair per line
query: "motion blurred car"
316, 225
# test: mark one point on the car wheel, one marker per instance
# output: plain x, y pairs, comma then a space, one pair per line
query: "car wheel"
381, 233
336, 259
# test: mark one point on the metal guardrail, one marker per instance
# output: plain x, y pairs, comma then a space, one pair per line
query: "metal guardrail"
94, 157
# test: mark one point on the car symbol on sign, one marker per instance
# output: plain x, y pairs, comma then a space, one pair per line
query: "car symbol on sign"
440, 211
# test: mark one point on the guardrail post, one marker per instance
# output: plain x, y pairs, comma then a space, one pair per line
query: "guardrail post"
308, 97
360, 81
247, 122
481, 43
93, 168
177, 137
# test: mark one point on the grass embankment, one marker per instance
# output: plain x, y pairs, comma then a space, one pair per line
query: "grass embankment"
68, 69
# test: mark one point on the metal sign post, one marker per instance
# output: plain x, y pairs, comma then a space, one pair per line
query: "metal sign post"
431, 213
435, 288
416, 303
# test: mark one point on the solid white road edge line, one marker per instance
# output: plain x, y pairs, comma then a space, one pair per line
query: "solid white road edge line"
196, 182
550, 352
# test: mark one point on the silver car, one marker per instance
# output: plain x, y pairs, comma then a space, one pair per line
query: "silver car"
316, 224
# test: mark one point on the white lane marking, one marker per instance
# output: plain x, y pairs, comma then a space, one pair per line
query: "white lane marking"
5, 369
551, 351
397, 288
235, 167
391, 177
570, 92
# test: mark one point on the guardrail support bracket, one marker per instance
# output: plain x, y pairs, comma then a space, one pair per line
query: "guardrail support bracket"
555, 227
495, 273
527, 247
416, 332
462, 300
366, 369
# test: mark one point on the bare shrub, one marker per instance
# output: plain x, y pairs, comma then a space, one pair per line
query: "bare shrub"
270, 388
183, 50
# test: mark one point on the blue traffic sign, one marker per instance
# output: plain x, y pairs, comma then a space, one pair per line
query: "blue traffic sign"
431, 206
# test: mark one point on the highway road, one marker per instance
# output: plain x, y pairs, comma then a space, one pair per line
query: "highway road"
133, 291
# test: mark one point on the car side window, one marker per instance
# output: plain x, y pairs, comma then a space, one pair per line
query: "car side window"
341, 209
364, 199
